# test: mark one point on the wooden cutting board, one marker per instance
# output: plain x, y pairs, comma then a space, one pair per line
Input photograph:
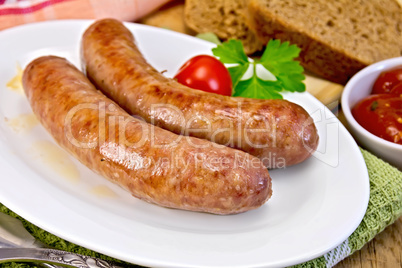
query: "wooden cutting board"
385, 250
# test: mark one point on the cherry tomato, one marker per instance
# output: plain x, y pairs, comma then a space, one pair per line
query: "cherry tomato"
381, 114
206, 73
387, 80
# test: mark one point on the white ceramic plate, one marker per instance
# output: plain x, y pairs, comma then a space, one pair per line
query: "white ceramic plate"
315, 206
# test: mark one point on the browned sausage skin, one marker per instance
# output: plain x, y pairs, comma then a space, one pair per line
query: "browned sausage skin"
278, 132
154, 164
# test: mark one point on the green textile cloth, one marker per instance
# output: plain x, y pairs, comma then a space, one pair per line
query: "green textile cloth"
385, 206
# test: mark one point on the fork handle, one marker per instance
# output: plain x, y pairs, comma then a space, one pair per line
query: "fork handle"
52, 256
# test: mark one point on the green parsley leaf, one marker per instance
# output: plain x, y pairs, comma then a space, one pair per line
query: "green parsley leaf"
278, 59
279, 52
237, 72
255, 87
231, 51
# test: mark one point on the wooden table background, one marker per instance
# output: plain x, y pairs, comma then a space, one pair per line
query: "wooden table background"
385, 250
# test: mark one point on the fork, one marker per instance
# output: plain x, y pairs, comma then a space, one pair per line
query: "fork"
18, 245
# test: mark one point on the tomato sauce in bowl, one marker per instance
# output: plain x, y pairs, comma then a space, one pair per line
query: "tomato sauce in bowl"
372, 106
381, 112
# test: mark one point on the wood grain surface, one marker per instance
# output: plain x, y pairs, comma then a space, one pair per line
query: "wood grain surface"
385, 250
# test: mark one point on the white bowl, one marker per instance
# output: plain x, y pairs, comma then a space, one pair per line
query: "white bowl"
358, 87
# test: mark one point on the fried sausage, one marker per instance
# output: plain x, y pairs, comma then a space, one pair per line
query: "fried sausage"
278, 132
153, 164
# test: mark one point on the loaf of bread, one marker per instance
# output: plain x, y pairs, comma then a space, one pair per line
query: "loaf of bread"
337, 38
225, 18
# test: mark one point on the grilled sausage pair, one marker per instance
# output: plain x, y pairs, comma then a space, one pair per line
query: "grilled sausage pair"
157, 165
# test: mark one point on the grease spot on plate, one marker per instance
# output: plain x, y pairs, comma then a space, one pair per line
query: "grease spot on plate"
15, 84
22, 123
103, 191
57, 159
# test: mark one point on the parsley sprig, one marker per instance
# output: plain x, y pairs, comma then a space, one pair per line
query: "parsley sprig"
278, 59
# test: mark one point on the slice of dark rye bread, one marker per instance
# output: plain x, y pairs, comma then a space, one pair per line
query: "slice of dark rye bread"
225, 18
337, 38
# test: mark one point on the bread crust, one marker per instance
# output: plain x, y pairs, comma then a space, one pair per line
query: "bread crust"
328, 58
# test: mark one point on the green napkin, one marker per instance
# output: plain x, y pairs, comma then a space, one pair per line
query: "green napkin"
385, 206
